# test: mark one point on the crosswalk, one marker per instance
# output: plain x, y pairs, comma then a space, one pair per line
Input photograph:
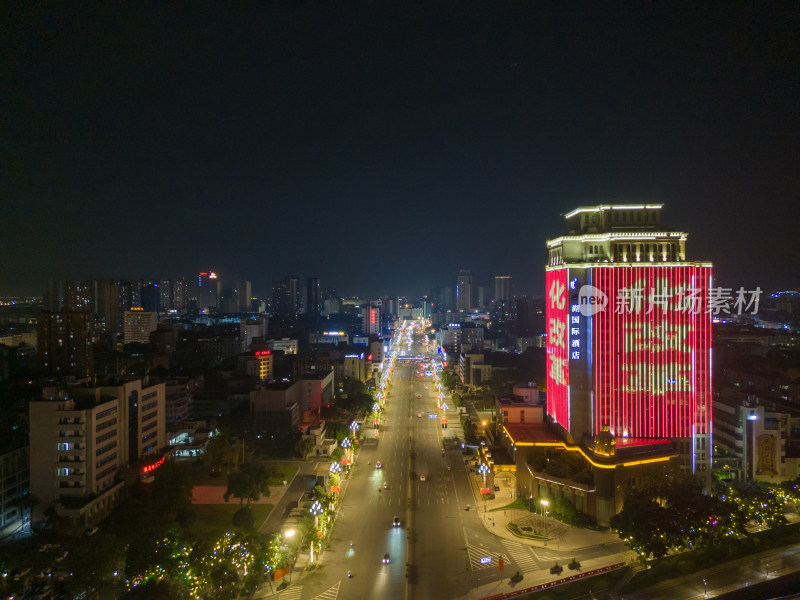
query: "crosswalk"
481, 557
330, 594
521, 555
293, 592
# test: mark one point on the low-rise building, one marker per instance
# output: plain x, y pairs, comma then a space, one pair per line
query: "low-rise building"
77, 448
14, 481
750, 437
275, 409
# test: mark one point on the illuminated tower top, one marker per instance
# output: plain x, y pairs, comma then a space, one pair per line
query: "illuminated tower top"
616, 233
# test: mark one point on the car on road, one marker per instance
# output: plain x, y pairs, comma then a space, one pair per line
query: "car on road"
419, 415
386, 558
396, 522
378, 464
422, 477
418, 396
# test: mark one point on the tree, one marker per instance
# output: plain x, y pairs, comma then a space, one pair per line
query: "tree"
92, 561
450, 380
250, 482
304, 446
238, 487
157, 589
172, 487
639, 524
221, 455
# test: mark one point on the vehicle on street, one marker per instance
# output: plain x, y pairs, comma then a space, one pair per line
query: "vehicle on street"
419, 415
422, 477
386, 558
378, 464
396, 522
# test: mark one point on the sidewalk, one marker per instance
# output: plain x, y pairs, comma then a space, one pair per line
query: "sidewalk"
559, 535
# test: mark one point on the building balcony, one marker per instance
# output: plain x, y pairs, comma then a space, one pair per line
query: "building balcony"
71, 459
76, 434
79, 448
76, 485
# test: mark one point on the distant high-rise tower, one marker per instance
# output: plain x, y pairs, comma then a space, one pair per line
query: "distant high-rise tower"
151, 297
65, 343
464, 290
180, 293
371, 317
209, 290
285, 298
313, 298
502, 288
242, 292
106, 306
165, 294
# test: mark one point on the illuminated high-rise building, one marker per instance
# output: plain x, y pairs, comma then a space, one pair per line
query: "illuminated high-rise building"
502, 288
286, 298
65, 343
371, 317
209, 289
628, 336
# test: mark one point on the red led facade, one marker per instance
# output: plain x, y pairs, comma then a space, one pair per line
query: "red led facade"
651, 351
556, 313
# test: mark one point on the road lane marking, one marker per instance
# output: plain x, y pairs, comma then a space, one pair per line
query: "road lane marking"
330, 594
292, 593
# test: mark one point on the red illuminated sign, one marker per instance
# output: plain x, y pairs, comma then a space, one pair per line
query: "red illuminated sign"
153, 466
263, 352
556, 313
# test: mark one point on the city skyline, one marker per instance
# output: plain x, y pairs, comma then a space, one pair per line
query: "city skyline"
383, 149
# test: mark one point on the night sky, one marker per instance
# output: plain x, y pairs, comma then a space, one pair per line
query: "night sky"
383, 146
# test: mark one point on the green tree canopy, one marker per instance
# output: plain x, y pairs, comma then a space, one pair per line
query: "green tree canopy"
250, 482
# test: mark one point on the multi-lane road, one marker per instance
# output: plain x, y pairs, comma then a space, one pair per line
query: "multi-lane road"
441, 550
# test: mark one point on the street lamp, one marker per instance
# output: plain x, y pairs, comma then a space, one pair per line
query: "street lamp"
753, 417
484, 470
316, 510
545, 504
705, 588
